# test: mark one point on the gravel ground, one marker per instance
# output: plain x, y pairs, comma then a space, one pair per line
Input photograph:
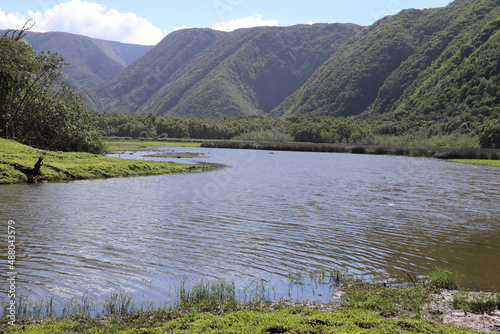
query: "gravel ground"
489, 323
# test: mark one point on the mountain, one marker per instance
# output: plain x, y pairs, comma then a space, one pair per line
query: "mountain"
423, 65
212, 73
92, 61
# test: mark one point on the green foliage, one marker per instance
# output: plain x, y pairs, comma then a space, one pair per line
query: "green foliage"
35, 107
494, 163
476, 302
490, 134
216, 297
92, 61
74, 165
197, 72
119, 303
386, 300
418, 73
282, 320
441, 278
265, 135
322, 129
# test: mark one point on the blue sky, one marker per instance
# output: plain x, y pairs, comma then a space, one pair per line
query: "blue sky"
147, 21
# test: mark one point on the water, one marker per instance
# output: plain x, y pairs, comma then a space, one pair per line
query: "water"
267, 214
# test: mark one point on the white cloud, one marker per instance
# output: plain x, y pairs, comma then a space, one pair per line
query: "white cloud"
181, 28
94, 20
249, 22
11, 20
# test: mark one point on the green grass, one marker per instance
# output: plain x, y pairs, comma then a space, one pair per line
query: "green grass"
281, 319
139, 145
213, 307
441, 278
387, 301
173, 155
75, 165
494, 163
476, 302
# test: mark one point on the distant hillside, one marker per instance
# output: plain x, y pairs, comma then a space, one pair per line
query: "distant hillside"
212, 73
419, 65
92, 61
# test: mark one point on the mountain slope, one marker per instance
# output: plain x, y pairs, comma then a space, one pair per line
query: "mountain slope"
418, 61
133, 87
248, 71
92, 61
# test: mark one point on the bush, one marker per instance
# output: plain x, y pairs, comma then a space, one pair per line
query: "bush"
478, 303
441, 278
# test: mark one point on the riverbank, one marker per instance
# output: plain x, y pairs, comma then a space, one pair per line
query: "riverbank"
117, 145
432, 306
477, 155
59, 166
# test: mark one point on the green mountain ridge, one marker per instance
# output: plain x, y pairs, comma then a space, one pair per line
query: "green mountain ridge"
433, 65
92, 61
213, 73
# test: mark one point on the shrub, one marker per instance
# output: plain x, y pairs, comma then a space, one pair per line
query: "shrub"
441, 278
478, 303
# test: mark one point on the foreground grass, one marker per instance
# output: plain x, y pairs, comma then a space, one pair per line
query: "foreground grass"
71, 166
281, 320
213, 307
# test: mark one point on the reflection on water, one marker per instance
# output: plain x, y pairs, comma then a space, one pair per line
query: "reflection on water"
254, 221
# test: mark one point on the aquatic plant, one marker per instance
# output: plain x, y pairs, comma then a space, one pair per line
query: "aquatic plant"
216, 307
441, 278
118, 303
79, 310
219, 296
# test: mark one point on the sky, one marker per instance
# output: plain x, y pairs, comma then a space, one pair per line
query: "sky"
148, 21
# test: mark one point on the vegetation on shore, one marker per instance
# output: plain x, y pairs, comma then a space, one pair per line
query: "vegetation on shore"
302, 129
36, 107
414, 151
494, 163
75, 165
214, 307
124, 144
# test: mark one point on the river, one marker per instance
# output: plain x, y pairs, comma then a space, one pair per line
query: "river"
265, 215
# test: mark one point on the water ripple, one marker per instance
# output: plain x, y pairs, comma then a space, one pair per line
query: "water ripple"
258, 220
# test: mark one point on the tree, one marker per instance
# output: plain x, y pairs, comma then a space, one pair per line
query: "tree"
490, 134
36, 107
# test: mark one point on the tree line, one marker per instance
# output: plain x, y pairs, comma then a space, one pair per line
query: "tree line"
305, 128
36, 107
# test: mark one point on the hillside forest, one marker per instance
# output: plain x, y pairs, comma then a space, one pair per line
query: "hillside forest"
418, 78
421, 77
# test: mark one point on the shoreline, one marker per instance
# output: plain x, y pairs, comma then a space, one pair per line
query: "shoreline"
71, 166
436, 305
445, 153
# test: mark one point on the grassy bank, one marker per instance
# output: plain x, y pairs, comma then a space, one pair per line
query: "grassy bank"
74, 166
494, 163
281, 320
214, 307
141, 145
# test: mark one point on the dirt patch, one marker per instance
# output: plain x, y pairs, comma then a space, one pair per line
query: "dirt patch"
442, 311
